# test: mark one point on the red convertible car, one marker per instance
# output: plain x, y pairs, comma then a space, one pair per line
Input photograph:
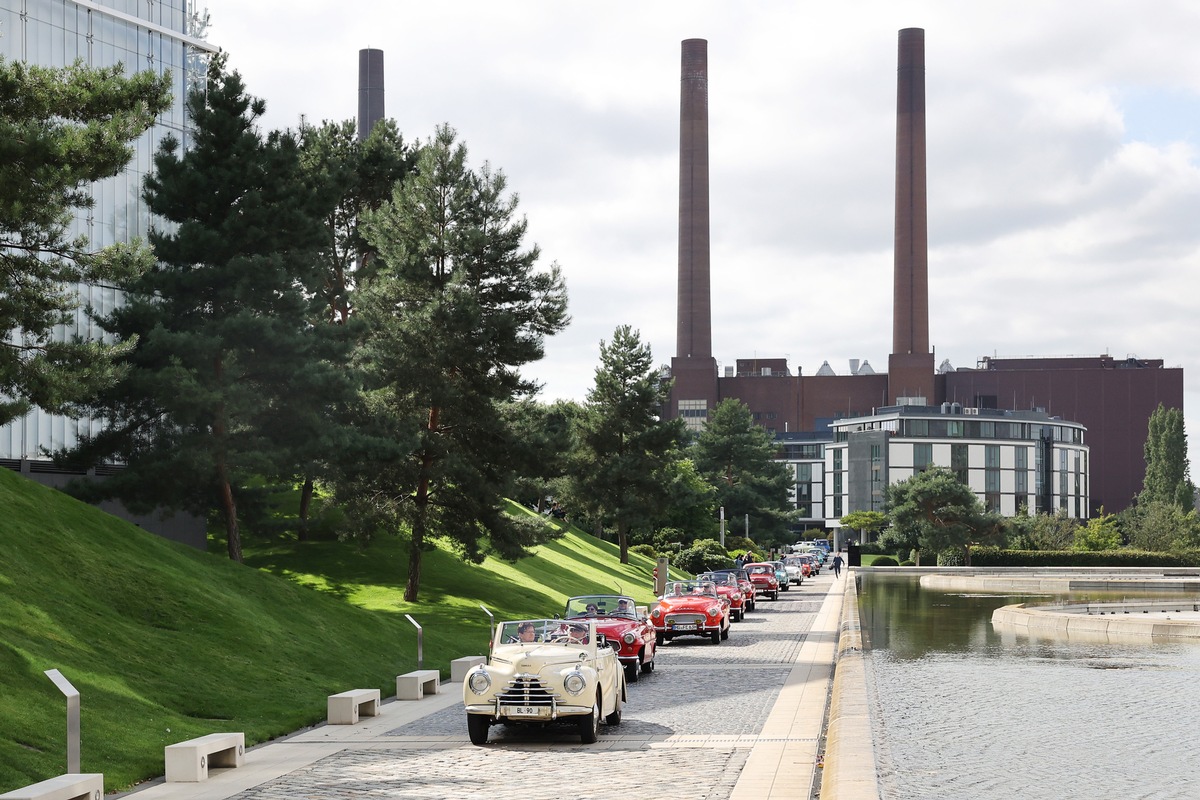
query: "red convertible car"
627, 631
762, 575
691, 608
743, 581
729, 588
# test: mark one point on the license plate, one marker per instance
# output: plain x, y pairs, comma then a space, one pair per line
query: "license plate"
524, 711
685, 626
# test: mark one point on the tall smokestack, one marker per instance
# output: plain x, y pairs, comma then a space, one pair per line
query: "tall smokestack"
910, 365
910, 319
370, 90
694, 323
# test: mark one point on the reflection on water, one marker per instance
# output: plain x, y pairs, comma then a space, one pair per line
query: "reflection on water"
963, 711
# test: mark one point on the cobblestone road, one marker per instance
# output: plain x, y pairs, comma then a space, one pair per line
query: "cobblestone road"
686, 731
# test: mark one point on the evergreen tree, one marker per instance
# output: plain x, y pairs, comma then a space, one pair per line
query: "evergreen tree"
1168, 477
936, 511
225, 341
625, 445
456, 308
738, 458
61, 130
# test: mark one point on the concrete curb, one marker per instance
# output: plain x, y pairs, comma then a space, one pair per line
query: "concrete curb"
850, 768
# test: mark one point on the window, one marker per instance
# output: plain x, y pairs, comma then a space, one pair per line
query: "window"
922, 456
959, 462
991, 455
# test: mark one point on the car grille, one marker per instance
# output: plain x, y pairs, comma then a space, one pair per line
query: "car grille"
685, 618
526, 690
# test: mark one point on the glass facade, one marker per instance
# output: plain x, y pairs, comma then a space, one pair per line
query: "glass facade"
160, 35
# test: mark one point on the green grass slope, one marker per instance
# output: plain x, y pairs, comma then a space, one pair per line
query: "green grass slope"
165, 643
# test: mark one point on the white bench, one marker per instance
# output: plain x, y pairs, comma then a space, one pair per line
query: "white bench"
188, 762
416, 684
459, 667
72, 786
346, 707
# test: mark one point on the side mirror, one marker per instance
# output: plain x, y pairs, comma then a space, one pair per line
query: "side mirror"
601, 640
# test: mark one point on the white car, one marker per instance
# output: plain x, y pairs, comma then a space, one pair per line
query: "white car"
542, 672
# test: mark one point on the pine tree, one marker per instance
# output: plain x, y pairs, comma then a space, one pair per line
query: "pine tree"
457, 306
61, 130
738, 458
225, 346
626, 446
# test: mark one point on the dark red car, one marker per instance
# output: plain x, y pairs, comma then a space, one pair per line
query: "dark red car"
729, 588
629, 633
743, 581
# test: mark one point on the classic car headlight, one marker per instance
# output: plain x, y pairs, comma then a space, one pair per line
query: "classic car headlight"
714, 611
575, 683
629, 638
479, 681
656, 613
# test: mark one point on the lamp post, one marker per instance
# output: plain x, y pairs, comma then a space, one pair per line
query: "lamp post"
722, 526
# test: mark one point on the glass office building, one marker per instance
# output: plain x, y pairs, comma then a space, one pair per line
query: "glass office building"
161, 35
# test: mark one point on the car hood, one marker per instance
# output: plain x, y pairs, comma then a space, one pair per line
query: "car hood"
532, 657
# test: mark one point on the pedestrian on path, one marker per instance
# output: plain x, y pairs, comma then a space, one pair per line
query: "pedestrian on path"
837, 566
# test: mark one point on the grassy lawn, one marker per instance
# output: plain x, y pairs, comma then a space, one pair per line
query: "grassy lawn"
166, 643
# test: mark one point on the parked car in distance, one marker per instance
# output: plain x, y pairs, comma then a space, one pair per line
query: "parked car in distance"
762, 575
691, 608
797, 568
743, 580
727, 587
542, 672
630, 634
781, 575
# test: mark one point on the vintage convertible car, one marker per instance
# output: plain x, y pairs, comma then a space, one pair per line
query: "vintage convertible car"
781, 575
743, 581
627, 631
728, 587
545, 671
691, 608
762, 575
798, 568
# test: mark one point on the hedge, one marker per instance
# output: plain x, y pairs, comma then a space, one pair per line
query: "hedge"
995, 557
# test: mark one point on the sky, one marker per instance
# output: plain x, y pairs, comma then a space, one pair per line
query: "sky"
1063, 170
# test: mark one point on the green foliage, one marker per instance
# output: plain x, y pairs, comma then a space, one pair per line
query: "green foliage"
952, 557
1042, 531
456, 308
1160, 526
625, 446
1100, 533
737, 457
690, 501
1167, 470
701, 556
885, 561
60, 131
995, 557
869, 522
940, 513
646, 550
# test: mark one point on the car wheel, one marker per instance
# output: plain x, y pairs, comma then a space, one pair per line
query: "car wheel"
775, 595
659, 639
715, 636
631, 673
736, 615
589, 724
786, 587
648, 666
477, 728
724, 633
615, 717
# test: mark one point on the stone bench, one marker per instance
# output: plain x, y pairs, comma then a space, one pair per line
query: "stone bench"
416, 684
72, 786
188, 762
346, 707
459, 667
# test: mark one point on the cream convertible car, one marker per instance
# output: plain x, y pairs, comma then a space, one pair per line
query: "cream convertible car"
545, 671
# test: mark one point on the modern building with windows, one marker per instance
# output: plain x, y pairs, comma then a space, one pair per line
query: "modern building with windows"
165, 36
1013, 461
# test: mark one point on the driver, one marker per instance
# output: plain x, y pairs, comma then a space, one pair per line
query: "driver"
592, 610
623, 606
526, 632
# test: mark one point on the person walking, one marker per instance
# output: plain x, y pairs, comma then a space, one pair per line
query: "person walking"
837, 566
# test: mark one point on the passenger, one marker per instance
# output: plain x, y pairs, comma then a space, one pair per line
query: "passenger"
526, 632
592, 610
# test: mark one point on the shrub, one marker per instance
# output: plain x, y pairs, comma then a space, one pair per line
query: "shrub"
703, 555
995, 557
952, 557
646, 550
907, 563
885, 561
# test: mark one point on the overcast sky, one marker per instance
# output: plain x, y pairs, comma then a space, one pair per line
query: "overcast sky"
1064, 183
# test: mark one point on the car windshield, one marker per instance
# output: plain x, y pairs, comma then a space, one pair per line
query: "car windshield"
719, 578
793, 561
601, 605
544, 631
692, 588
760, 569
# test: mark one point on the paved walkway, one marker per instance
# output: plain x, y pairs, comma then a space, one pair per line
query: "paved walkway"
736, 721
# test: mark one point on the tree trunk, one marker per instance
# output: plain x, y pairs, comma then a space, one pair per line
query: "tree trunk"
306, 493
623, 538
420, 515
233, 537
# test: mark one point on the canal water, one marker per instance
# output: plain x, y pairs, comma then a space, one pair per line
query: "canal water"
964, 711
